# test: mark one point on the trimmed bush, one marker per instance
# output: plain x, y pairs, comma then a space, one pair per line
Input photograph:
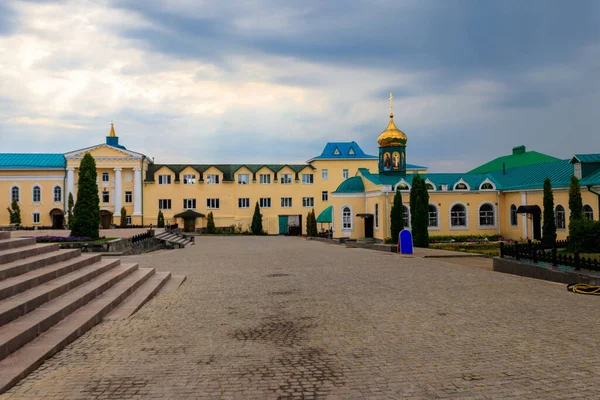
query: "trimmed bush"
464, 238
70, 216
575, 201
210, 223
123, 217
87, 207
160, 220
14, 211
257, 227
419, 218
584, 236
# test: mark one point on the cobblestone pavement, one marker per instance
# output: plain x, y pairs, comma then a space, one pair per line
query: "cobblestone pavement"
276, 317
109, 233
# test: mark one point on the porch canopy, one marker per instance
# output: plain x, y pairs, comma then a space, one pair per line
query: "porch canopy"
326, 215
189, 214
535, 210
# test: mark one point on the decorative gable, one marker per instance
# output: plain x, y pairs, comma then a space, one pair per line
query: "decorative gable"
351, 152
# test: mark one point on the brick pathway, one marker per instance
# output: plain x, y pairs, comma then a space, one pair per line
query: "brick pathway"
277, 317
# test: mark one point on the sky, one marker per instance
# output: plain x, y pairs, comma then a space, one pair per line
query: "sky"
264, 81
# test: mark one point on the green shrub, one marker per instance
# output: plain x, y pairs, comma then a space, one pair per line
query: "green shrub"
549, 226
256, 227
584, 236
123, 217
160, 223
210, 223
14, 211
87, 208
419, 218
464, 238
396, 217
70, 216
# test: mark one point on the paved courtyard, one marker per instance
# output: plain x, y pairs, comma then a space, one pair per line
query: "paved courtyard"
277, 317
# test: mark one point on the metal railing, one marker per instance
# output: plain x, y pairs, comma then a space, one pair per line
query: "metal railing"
537, 252
142, 236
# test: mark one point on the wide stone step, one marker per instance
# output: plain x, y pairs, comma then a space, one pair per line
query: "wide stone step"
25, 265
4, 235
23, 330
19, 364
134, 302
12, 243
11, 255
18, 284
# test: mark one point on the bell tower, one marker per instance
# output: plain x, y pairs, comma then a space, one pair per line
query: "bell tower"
392, 148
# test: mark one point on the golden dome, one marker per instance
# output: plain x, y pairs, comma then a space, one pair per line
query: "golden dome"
392, 136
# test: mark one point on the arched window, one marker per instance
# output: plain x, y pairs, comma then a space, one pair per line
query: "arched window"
514, 220
37, 194
406, 216
588, 212
486, 215
346, 218
433, 216
376, 215
460, 186
429, 186
402, 186
458, 216
15, 194
57, 193
487, 186
559, 214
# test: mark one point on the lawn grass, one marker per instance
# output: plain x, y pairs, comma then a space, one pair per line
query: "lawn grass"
487, 249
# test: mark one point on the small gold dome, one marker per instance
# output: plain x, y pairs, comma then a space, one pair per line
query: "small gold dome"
392, 136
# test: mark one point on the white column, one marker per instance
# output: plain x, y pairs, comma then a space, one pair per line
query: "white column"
137, 191
524, 216
118, 191
70, 183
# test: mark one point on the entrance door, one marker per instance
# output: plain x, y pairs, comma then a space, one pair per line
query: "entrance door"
189, 225
283, 225
369, 226
58, 221
105, 219
537, 226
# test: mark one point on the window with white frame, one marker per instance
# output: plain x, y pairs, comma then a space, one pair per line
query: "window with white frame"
588, 212
189, 204
105, 197
406, 216
15, 194
433, 221
286, 179
37, 194
460, 186
345, 174
164, 204
324, 174
514, 217
128, 176
105, 177
307, 179
560, 216
429, 186
212, 179
486, 215
36, 217
486, 186
308, 202
376, 216
189, 179
244, 202
164, 179
458, 216
128, 219
243, 179
264, 178
212, 203
128, 197
286, 202
265, 202
346, 218
325, 195
402, 186
57, 193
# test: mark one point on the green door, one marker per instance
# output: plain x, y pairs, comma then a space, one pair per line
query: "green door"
283, 224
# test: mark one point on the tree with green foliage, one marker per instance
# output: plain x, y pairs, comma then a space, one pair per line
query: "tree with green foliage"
210, 223
396, 217
160, 220
70, 217
311, 224
14, 211
87, 208
419, 216
256, 227
549, 228
575, 201
123, 217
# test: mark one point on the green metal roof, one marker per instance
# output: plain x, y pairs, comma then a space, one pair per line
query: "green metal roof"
326, 215
586, 158
519, 158
31, 160
351, 185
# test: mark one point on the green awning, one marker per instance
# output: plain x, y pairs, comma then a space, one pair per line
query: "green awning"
326, 215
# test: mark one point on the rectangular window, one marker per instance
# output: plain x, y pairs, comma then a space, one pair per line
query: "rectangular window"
212, 179
189, 179
105, 197
128, 176
324, 174
212, 203
286, 179
308, 202
345, 174
105, 177
244, 202
128, 197
164, 179
325, 196
243, 179
307, 179
265, 202
189, 204
128, 219
36, 218
164, 204
286, 202
264, 178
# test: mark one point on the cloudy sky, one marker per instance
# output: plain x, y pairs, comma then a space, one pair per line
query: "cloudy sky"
272, 81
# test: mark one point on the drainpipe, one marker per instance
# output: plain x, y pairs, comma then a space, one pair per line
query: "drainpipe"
498, 212
142, 168
387, 215
589, 187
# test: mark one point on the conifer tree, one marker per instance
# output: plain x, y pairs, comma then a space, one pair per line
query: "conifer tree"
70, 216
575, 201
549, 228
311, 224
14, 211
87, 210
210, 223
313, 219
419, 206
256, 227
396, 217
160, 220
123, 217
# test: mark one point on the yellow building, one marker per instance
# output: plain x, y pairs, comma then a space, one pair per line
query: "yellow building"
351, 190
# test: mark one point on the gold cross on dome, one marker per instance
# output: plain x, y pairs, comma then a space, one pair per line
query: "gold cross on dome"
391, 97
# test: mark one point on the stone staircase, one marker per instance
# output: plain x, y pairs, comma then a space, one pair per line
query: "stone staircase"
173, 238
49, 297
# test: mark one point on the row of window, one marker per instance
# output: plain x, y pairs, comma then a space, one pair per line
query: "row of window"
36, 194
244, 179
458, 186
243, 202
128, 177
560, 215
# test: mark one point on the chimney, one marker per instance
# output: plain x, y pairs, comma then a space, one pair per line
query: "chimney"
518, 150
